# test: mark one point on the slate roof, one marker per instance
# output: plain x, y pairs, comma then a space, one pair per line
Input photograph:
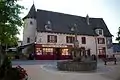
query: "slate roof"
31, 13
62, 23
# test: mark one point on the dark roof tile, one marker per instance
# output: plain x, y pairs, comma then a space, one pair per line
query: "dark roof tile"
32, 13
62, 23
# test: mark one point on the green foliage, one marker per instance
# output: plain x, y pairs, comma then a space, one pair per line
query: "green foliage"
118, 35
9, 21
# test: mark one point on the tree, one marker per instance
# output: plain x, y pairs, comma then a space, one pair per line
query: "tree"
118, 35
9, 23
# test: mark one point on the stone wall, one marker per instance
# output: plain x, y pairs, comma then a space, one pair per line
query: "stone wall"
77, 66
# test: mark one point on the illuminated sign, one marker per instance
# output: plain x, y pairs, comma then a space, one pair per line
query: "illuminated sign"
51, 45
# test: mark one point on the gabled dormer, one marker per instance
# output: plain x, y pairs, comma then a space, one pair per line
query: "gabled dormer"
99, 31
32, 13
48, 26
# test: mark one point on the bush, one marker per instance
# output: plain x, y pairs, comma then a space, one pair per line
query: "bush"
9, 73
17, 73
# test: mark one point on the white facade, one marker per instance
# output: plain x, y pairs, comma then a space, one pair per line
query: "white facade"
91, 41
29, 31
41, 38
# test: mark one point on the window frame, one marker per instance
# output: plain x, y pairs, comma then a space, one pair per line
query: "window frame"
98, 31
83, 40
70, 39
28, 39
52, 38
101, 40
31, 23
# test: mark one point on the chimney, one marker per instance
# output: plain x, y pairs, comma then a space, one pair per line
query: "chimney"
87, 19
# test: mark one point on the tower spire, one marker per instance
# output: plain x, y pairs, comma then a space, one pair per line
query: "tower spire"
31, 13
33, 1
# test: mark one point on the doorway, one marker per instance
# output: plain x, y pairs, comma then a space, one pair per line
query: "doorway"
58, 53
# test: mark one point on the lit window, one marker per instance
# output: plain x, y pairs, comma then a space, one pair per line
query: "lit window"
65, 52
47, 51
38, 51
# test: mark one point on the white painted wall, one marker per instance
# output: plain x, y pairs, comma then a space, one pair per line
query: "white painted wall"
29, 31
61, 39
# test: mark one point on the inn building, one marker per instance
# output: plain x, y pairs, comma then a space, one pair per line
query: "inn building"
50, 35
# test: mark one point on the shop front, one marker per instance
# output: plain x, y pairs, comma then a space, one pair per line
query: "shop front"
52, 52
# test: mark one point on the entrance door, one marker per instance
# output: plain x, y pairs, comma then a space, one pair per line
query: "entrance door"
102, 52
58, 53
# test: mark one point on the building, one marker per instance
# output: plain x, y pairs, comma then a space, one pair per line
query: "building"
116, 47
50, 35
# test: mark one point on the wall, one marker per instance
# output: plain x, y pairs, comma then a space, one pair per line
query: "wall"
61, 39
29, 31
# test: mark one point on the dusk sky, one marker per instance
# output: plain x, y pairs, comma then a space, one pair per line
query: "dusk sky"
109, 10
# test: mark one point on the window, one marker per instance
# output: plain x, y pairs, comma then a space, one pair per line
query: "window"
70, 39
47, 51
31, 22
101, 41
102, 51
52, 38
65, 52
48, 26
83, 40
99, 31
28, 40
109, 41
38, 51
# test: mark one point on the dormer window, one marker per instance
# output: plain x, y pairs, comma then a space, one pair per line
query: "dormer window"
48, 26
99, 31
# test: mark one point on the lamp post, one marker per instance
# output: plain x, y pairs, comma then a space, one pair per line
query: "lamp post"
75, 43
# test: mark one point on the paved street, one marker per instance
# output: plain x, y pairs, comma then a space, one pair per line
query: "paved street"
46, 70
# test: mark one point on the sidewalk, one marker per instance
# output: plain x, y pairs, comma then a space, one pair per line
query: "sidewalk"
45, 71
35, 72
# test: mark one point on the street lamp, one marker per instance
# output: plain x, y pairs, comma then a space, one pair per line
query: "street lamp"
75, 43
